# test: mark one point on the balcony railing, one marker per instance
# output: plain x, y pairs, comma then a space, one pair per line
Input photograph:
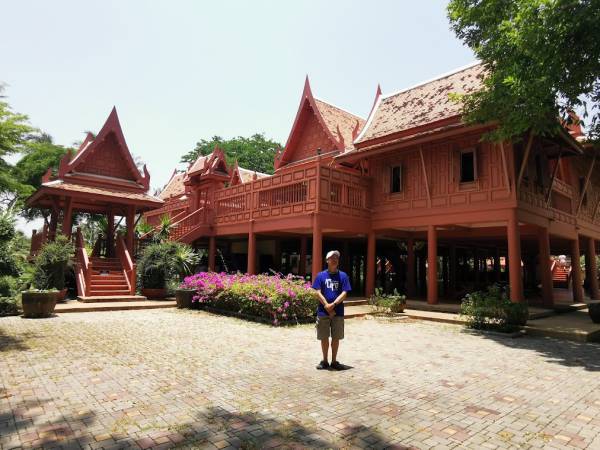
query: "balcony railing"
293, 192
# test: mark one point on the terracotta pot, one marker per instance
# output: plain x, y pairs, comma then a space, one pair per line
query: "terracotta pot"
155, 294
594, 311
184, 297
38, 304
61, 295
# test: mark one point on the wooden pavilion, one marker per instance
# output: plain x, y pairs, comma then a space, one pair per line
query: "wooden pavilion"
101, 178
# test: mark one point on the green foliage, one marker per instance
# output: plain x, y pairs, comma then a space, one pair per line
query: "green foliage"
9, 306
164, 229
14, 128
492, 309
161, 262
143, 227
543, 58
393, 303
51, 263
253, 153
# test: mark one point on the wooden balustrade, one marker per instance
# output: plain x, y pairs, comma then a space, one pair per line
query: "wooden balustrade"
188, 223
127, 264
83, 266
299, 190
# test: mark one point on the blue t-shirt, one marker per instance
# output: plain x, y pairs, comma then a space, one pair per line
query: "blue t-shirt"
331, 286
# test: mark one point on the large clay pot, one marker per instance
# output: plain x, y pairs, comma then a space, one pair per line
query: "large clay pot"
154, 294
184, 297
594, 310
38, 304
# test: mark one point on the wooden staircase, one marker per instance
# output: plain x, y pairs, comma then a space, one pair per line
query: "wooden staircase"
560, 276
107, 277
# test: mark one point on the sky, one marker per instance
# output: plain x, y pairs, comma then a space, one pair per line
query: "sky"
179, 71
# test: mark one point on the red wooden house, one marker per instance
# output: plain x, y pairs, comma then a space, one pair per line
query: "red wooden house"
101, 178
412, 197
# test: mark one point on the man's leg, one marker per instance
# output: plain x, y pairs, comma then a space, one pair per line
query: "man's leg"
335, 344
325, 348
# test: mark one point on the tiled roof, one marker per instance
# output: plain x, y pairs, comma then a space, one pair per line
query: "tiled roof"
174, 187
247, 174
199, 163
421, 105
335, 117
104, 191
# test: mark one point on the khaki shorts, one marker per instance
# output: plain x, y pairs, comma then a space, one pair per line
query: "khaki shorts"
330, 326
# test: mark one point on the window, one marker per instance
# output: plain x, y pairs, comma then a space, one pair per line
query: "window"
396, 179
468, 173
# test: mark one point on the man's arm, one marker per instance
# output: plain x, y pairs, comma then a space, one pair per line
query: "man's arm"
325, 304
340, 298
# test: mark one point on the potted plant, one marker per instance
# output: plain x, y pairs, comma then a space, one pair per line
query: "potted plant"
394, 303
51, 265
161, 262
594, 310
38, 303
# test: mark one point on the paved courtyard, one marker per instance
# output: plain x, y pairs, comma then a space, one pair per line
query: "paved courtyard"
188, 379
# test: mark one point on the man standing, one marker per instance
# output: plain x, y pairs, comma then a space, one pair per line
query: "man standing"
332, 286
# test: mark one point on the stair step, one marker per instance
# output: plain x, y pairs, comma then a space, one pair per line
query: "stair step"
104, 280
110, 292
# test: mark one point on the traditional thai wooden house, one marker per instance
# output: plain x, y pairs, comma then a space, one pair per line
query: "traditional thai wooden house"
413, 197
101, 178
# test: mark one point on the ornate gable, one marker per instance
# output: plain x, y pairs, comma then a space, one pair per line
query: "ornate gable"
107, 155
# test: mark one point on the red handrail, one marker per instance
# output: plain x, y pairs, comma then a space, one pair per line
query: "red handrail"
127, 263
187, 224
83, 266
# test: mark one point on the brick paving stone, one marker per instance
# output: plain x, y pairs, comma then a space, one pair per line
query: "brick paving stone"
168, 378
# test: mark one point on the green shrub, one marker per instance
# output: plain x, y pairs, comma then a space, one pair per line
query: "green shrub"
9, 306
161, 262
394, 302
51, 263
492, 309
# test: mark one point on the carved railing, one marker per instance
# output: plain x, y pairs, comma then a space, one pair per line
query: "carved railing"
297, 191
37, 241
83, 266
188, 223
180, 215
127, 263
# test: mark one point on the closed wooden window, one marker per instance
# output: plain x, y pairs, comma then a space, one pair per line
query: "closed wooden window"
396, 179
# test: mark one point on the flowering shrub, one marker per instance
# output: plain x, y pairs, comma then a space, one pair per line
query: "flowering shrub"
268, 296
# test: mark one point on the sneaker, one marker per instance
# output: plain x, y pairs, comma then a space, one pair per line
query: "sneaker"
323, 365
336, 365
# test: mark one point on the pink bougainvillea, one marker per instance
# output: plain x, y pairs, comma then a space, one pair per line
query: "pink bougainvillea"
274, 297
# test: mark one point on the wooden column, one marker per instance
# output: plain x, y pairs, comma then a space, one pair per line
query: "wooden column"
514, 257
371, 244
130, 228
411, 288
110, 232
545, 267
251, 250
302, 266
432, 282
317, 246
212, 252
53, 224
67, 217
591, 269
576, 271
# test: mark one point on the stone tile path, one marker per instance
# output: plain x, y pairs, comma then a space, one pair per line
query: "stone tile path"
187, 379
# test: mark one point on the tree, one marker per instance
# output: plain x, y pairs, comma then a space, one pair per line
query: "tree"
254, 153
542, 58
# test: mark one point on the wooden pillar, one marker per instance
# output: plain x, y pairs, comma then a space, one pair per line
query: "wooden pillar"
130, 228
411, 288
371, 242
576, 271
452, 268
53, 224
514, 258
317, 246
432, 282
110, 232
212, 252
67, 217
303, 245
591, 269
545, 267
251, 250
